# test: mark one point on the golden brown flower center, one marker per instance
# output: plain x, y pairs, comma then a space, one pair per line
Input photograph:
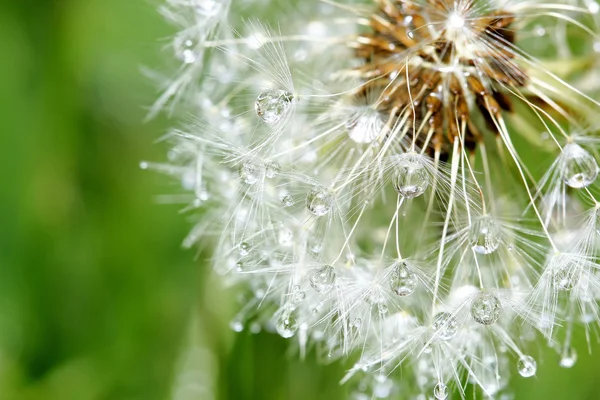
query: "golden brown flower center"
436, 64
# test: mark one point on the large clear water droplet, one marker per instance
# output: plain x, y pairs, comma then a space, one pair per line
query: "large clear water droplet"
445, 326
319, 201
485, 235
250, 173
579, 167
365, 127
286, 325
403, 281
322, 279
486, 308
440, 391
272, 105
411, 179
526, 366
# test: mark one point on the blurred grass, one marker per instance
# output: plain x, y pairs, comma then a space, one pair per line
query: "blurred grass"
97, 300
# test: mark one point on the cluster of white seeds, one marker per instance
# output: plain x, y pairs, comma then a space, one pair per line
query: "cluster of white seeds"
348, 238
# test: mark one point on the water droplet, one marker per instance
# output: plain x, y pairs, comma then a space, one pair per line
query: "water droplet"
287, 200
185, 49
365, 127
285, 237
485, 235
239, 266
322, 279
382, 386
440, 391
569, 357
526, 366
445, 326
244, 249
486, 308
564, 276
319, 201
297, 295
286, 325
272, 105
411, 179
250, 173
579, 167
272, 169
236, 325
382, 308
403, 281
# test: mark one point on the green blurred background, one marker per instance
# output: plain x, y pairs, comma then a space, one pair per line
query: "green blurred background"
97, 299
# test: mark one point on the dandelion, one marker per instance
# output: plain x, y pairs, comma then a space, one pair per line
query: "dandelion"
409, 184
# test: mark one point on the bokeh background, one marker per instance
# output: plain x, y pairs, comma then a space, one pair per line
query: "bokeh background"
97, 298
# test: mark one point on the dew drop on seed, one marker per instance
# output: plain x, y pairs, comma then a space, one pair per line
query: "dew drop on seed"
365, 127
403, 281
486, 308
297, 295
286, 325
526, 366
564, 277
319, 201
485, 235
411, 179
272, 169
239, 266
272, 105
569, 358
445, 326
579, 167
185, 49
440, 391
285, 236
322, 279
287, 200
250, 173
236, 325
244, 249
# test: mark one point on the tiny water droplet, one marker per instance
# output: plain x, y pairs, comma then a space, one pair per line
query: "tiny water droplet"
239, 266
579, 167
403, 281
445, 325
569, 357
287, 200
485, 235
565, 276
185, 49
297, 295
236, 325
365, 127
486, 308
244, 249
440, 391
285, 237
272, 169
322, 279
319, 201
273, 105
411, 179
250, 173
286, 325
526, 366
